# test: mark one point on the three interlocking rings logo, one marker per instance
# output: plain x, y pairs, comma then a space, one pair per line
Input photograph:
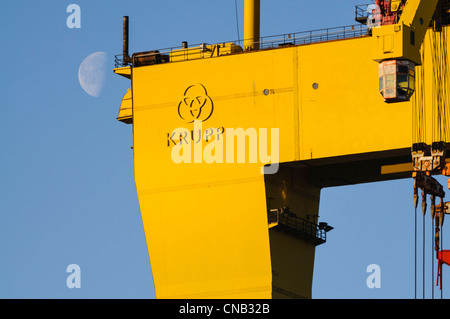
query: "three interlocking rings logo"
195, 104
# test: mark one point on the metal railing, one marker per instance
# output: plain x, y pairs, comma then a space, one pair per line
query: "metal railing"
361, 13
119, 61
313, 36
289, 222
270, 42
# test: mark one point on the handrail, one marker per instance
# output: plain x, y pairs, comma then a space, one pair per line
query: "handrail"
268, 42
288, 221
313, 36
361, 12
303, 226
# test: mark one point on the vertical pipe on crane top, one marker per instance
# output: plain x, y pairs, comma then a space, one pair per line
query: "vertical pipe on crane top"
251, 24
126, 56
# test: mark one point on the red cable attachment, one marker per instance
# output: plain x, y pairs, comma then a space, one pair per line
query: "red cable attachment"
443, 258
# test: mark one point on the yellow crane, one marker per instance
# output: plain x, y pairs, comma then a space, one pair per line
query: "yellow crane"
233, 143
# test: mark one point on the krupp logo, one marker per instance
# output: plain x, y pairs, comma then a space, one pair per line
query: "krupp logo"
196, 104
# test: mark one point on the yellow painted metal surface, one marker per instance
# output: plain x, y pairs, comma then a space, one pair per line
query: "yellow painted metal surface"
124, 71
205, 238
204, 212
292, 258
394, 42
126, 108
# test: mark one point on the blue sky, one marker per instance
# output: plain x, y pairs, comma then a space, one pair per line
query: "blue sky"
67, 194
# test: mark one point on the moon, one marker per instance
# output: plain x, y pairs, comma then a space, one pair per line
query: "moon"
92, 73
